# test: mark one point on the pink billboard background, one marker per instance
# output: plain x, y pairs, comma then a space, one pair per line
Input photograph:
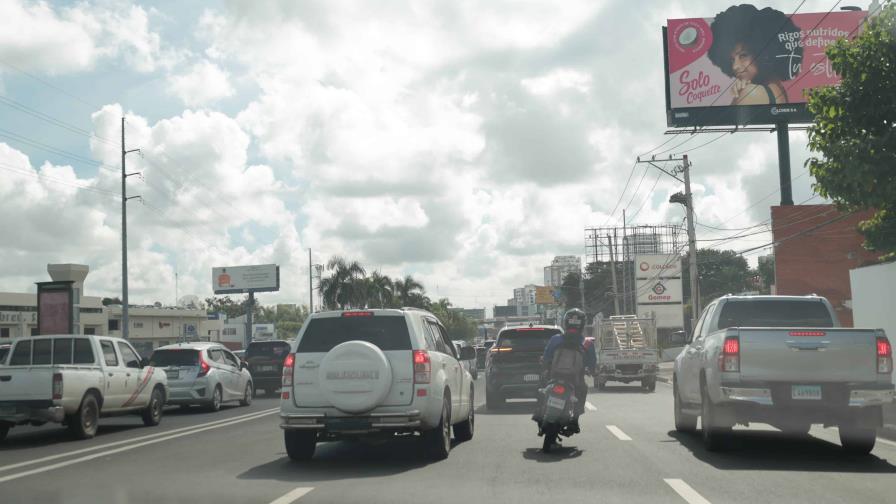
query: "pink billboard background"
694, 81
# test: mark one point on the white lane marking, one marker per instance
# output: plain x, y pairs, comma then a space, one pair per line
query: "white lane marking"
589, 406
685, 491
618, 433
106, 453
127, 441
292, 496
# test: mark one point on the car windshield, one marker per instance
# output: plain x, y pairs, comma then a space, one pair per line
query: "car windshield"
526, 338
276, 350
758, 313
174, 357
386, 332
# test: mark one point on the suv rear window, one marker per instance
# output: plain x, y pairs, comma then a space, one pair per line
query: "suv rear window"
164, 358
276, 350
386, 332
775, 313
526, 338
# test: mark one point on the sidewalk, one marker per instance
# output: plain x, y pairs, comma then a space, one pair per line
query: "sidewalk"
888, 431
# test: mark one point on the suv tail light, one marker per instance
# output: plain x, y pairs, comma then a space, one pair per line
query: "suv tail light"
884, 355
204, 368
729, 360
57, 386
422, 367
289, 364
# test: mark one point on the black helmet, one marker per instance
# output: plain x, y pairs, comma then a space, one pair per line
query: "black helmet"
574, 321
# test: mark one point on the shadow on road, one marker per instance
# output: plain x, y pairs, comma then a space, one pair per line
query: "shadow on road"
55, 435
347, 460
776, 451
510, 408
557, 455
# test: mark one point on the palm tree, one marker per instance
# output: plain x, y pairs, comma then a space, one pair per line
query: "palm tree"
343, 287
379, 290
408, 291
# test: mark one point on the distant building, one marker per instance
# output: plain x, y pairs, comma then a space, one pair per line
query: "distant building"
505, 311
473, 313
559, 268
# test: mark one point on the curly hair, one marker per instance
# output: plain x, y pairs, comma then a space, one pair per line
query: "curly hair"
757, 30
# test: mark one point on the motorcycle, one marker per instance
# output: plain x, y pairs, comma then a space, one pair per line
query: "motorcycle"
557, 412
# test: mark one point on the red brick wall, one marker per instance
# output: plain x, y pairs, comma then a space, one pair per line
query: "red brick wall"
818, 261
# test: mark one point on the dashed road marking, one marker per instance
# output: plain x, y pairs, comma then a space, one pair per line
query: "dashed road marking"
685, 491
589, 406
618, 433
292, 496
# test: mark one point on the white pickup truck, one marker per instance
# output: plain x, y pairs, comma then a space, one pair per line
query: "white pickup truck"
784, 361
74, 380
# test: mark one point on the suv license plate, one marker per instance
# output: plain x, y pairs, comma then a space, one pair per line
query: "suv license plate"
531, 377
806, 392
348, 424
267, 368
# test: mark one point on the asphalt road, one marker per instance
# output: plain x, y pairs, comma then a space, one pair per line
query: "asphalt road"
626, 453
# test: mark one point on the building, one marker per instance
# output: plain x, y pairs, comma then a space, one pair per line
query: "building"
873, 291
155, 326
816, 247
559, 268
505, 311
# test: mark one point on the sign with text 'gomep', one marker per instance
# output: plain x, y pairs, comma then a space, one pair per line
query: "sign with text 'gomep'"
658, 284
242, 279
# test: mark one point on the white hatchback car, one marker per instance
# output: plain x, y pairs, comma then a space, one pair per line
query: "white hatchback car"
207, 374
375, 372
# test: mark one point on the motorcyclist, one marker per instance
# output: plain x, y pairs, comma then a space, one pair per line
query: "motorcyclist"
573, 337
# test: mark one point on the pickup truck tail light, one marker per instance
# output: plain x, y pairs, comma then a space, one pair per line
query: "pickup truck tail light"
729, 360
57, 386
204, 368
884, 355
422, 367
289, 364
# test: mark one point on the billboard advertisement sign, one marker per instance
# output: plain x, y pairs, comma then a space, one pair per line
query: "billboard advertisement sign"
545, 295
241, 279
748, 65
653, 266
661, 290
55, 307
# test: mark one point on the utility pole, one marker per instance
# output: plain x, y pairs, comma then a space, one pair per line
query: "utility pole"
310, 283
613, 270
124, 234
625, 288
686, 199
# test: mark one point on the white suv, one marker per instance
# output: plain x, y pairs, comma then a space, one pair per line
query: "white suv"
375, 372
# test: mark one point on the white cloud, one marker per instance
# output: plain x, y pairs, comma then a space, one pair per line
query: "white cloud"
203, 83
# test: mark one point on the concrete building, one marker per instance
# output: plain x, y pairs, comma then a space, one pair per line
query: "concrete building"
559, 268
816, 247
153, 326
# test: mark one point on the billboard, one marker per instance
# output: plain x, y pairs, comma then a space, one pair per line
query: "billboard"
242, 279
545, 295
55, 307
748, 65
659, 289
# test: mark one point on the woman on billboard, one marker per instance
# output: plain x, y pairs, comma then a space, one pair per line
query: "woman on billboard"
758, 48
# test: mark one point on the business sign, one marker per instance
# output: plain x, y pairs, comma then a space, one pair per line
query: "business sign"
242, 279
749, 65
545, 296
668, 316
653, 266
666, 290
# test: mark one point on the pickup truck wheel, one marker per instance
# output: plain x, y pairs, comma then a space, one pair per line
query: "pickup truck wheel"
714, 437
217, 398
683, 421
494, 400
83, 424
247, 396
464, 430
152, 415
857, 441
437, 442
648, 384
300, 444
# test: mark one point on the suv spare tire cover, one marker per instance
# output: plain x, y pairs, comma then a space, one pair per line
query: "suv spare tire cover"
355, 376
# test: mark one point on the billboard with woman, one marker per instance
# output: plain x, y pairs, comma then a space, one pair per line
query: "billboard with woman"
748, 65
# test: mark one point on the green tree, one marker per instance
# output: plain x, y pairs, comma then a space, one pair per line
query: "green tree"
766, 272
720, 272
458, 325
410, 292
855, 130
345, 286
228, 306
379, 290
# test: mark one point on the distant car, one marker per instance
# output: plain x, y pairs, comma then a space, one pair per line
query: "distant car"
265, 360
513, 367
4, 351
206, 374
482, 353
469, 365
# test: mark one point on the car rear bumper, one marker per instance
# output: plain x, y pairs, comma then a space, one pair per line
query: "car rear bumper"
265, 382
196, 393
842, 395
409, 420
20, 413
626, 371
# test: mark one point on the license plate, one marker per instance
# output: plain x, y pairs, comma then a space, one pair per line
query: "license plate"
348, 424
556, 403
531, 377
267, 368
173, 375
806, 392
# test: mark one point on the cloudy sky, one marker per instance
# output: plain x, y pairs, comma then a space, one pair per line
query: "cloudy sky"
463, 142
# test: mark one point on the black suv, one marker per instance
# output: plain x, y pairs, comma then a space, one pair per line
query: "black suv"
513, 366
265, 360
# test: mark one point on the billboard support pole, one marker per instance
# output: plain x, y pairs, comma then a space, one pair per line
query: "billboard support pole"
613, 272
249, 309
784, 163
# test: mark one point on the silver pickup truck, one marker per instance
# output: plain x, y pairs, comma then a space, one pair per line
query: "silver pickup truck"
784, 361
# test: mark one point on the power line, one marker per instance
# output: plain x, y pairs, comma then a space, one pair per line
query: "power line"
40, 176
50, 85
621, 195
703, 144
647, 199
51, 120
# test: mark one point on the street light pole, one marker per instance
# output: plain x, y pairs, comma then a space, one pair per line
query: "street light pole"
124, 234
692, 242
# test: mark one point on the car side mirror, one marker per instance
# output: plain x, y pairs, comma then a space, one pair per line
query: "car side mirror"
134, 364
144, 361
467, 353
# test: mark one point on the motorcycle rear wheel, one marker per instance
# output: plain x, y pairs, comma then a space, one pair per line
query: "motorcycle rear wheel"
550, 438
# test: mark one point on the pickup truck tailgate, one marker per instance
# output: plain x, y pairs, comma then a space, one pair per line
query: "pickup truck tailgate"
808, 355
26, 383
